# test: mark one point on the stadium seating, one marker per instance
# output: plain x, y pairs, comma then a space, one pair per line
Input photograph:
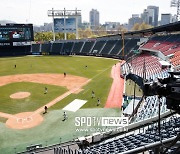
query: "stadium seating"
145, 63
98, 47
167, 44
67, 48
149, 108
87, 47
77, 47
108, 47
35, 48
45, 47
137, 64
130, 45
117, 48
168, 129
176, 59
56, 48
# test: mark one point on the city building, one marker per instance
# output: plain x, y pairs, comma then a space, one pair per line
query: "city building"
150, 15
133, 20
112, 25
85, 25
94, 18
166, 18
79, 18
144, 16
154, 14
47, 27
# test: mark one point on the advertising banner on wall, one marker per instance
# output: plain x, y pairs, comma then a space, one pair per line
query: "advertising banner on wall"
68, 25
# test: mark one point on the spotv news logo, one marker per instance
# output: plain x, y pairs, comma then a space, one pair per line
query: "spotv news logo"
101, 121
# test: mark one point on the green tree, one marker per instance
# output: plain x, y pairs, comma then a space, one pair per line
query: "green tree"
136, 26
142, 26
87, 33
59, 36
48, 36
121, 29
100, 31
43, 36
71, 36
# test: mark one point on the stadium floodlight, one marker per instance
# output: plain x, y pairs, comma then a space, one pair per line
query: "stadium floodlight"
176, 3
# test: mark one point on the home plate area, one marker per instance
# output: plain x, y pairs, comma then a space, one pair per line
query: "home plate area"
75, 105
24, 120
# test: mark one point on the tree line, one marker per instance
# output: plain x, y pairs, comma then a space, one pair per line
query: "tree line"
86, 33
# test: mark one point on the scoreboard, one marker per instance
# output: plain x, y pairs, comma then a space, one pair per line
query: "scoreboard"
16, 34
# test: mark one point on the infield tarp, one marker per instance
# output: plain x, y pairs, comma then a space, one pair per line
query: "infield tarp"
75, 105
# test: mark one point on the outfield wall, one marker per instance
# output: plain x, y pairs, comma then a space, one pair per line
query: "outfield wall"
111, 48
14, 50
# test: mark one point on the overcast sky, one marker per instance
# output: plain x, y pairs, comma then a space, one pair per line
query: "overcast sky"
35, 11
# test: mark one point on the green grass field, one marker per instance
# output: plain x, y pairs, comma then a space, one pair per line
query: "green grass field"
52, 128
36, 100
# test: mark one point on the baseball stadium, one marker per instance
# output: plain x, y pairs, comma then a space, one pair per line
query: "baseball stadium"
105, 95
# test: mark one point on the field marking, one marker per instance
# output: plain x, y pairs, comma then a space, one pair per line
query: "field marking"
107, 58
6, 115
94, 57
100, 73
59, 98
85, 91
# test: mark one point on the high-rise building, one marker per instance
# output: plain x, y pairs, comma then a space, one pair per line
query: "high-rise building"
144, 16
135, 19
166, 18
85, 25
94, 18
150, 15
112, 25
153, 15
79, 18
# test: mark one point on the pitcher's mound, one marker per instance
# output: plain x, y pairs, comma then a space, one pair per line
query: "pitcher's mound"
20, 95
24, 120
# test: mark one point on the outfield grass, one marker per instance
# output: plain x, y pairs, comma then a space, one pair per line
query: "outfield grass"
55, 64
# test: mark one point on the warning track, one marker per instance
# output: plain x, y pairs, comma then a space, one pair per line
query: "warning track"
116, 92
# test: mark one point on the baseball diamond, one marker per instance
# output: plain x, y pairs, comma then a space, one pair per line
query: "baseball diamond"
25, 113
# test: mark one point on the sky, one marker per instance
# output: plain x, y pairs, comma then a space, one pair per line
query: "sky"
35, 11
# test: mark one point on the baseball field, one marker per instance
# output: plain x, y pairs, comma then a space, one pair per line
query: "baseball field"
28, 84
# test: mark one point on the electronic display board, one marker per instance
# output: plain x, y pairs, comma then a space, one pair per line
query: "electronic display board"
70, 25
10, 33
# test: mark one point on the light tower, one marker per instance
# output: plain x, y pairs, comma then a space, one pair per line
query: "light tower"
176, 3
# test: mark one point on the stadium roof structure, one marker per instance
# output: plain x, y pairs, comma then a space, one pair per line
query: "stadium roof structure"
172, 27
